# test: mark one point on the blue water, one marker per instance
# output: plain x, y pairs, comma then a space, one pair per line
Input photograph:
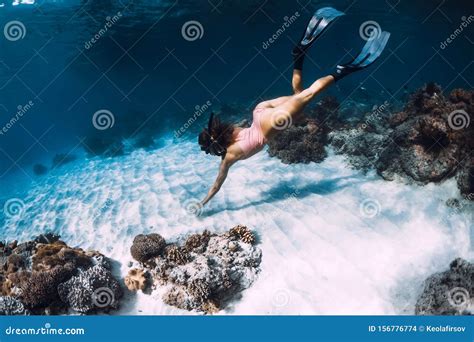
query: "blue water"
151, 79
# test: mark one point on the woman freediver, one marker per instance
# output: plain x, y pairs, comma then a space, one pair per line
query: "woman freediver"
233, 143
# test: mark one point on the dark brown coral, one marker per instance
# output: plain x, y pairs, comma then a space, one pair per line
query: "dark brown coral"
48, 256
39, 289
146, 247
243, 233
33, 271
176, 255
197, 241
432, 138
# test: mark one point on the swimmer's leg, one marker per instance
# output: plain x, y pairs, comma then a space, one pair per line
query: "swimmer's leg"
314, 29
290, 110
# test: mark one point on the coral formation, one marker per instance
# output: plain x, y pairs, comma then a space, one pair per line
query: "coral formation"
91, 289
12, 306
136, 279
299, 143
146, 247
46, 276
243, 233
206, 271
450, 292
430, 140
427, 146
304, 140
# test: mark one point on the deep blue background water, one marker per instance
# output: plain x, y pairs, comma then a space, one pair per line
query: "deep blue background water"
151, 79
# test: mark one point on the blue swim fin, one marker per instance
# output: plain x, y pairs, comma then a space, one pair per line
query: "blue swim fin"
369, 54
316, 26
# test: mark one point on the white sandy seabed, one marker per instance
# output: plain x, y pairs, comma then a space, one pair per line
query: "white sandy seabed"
334, 241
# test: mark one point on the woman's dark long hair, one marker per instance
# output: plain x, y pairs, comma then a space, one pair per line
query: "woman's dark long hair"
217, 137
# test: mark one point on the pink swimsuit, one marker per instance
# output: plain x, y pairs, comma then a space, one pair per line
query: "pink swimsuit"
251, 140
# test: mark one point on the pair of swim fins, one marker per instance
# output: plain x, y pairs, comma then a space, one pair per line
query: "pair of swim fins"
321, 19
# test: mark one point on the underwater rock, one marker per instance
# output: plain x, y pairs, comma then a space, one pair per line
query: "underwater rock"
427, 146
304, 141
33, 273
145, 247
39, 289
361, 147
11, 306
299, 144
207, 270
430, 140
465, 178
450, 292
91, 290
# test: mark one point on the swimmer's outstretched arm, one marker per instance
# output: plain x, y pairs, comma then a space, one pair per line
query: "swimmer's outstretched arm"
223, 171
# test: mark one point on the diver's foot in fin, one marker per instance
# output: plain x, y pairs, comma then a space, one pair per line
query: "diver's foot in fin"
369, 54
316, 26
